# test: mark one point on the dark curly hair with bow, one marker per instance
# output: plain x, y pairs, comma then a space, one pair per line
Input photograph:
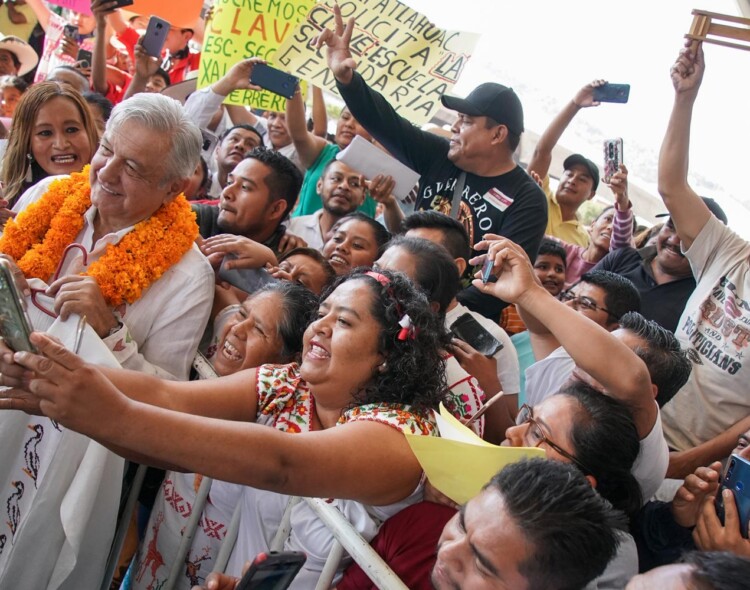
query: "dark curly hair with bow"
414, 368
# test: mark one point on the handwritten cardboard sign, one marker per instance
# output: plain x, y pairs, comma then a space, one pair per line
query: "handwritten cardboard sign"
245, 28
400, 53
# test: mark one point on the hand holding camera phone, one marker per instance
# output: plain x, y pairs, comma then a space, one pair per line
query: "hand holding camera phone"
469, 330
612, 93
613, 157
737, 479
272, 571
15, 327
155, 36
248, 280
274, 80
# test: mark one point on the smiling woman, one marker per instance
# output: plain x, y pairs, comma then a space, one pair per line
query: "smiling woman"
363, 381
52, 133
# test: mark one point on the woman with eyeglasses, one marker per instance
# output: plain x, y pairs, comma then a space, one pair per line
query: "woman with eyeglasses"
599, 433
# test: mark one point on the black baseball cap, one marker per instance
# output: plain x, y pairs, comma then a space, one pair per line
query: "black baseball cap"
577, 159
713, 206
490, 100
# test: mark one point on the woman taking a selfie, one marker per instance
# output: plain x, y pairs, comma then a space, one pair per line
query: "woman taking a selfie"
371, 370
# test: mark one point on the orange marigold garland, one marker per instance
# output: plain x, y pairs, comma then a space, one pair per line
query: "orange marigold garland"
38, 236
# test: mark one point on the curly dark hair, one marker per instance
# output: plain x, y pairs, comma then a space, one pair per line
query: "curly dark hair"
414, 369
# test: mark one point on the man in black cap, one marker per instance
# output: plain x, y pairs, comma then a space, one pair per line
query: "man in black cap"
580, 178
472, 177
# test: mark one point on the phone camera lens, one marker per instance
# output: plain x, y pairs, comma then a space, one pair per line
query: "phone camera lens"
739, 487
158, 26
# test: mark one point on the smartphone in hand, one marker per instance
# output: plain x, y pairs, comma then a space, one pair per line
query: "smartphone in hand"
272, 571
274, 80
612, 93
613, 157
155, 36
248, 280
71, 31
15, 327
737, 479
469, 330
84, 58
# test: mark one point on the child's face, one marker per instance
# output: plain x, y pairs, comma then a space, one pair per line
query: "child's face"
11, 96
551, 272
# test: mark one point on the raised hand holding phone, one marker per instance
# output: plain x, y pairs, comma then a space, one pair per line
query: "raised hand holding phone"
155, 36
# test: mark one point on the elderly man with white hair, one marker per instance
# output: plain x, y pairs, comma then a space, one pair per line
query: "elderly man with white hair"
114, 243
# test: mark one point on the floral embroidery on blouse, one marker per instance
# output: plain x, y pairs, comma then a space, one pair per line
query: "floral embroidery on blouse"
285, 402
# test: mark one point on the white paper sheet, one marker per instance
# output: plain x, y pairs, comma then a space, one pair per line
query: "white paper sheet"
369, 160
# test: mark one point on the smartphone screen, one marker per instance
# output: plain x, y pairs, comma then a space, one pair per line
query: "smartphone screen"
15, 327
469, 330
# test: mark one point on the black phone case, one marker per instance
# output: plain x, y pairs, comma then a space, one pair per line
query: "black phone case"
272, 571
618, 93
274, 80
469, 330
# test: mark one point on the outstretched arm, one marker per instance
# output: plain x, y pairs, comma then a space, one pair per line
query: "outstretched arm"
342, 462
689, 213
542, 156
593, 349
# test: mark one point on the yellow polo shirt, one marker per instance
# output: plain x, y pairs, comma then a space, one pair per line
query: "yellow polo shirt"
572, 231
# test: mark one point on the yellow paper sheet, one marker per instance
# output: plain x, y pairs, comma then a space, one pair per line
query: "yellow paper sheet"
459, 463
460, 470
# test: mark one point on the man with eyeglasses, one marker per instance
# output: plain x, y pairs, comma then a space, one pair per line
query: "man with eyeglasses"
575, 347
661, 273
602, 297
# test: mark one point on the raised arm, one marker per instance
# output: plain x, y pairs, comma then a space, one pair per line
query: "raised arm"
99, 55
688, 212
41, 11
308, 144
594, 350
319, 113
542, 156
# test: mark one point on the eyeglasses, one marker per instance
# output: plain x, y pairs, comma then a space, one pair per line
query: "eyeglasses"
584, 302
535, 436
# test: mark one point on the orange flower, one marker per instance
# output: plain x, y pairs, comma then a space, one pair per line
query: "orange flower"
37, 237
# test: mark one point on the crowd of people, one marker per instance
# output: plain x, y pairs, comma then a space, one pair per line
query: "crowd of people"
337, 319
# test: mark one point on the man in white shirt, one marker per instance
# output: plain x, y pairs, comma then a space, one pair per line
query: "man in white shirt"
342, 191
